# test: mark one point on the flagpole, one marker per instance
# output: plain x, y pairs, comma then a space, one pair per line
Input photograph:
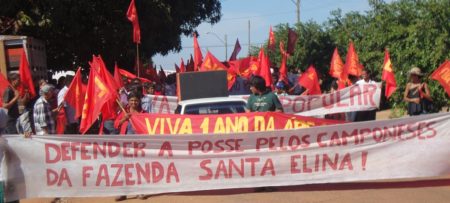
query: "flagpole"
137, 60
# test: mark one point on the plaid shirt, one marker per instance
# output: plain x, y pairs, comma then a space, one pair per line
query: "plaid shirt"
43, 117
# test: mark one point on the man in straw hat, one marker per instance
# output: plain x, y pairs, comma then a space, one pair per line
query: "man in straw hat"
416, 93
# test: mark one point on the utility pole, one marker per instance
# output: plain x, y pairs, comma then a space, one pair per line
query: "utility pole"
226, 48
223, 41
297, 4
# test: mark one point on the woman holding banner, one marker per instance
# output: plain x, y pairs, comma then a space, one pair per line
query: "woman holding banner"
417, 93
134, 106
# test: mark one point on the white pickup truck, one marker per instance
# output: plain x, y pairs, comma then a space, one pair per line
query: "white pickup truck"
214, 105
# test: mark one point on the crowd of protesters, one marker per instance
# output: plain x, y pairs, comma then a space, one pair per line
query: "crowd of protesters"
49, 114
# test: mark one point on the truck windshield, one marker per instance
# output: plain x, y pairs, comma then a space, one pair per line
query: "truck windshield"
216, 108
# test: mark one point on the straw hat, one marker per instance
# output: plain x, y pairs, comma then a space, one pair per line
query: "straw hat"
415, 71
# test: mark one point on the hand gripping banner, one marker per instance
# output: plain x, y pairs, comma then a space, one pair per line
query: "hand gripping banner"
84, 166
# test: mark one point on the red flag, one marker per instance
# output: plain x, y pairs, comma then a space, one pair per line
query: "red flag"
292, 41
265, 68
310, 81
231, 77
118, 76
26, 80
271, 44
133, 17
388, 75
182, 68
198, 57
242, 67
98, 93
283, 68
109, 110
336, 66
442, 75
105, 74
75, 94
352, 65
4, 84
212, 63
236, 50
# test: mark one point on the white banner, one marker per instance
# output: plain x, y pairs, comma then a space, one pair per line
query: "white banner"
354, 98
83, 166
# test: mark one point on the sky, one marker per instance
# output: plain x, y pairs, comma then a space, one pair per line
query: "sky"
236, 15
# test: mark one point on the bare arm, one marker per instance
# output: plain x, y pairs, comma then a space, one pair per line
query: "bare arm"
426, 94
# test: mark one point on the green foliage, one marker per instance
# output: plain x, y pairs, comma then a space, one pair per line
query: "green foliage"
416, 33
75, 29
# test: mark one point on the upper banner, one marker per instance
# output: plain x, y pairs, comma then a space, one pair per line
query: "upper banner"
354, 98
152, 124
84, 166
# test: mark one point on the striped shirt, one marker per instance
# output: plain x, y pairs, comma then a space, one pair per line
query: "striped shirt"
42, 116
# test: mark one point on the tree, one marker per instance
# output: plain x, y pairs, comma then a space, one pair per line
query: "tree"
416, 33
73, 30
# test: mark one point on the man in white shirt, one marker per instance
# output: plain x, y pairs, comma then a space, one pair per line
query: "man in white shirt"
72, 123
370, 115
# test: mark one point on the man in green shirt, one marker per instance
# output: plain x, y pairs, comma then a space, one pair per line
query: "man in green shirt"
262, 99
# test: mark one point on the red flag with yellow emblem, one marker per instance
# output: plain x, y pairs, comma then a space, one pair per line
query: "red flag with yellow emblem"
442, 75
388, 76
310, 81
97, 94
211, 63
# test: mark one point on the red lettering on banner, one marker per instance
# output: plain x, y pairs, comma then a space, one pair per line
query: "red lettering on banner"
67, 151
311, 99
204, 165
116, 181
285, 101
244, 167
355, 91
49, 148
228, 145
338, 100
86, 173
299, 105
330, 97
164, 103
133, 174
319, 139
323, 161
281, 143
84, 152
158, 172
166, 146
103, 175
268, 166
172, 171
53, 177
369, 96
